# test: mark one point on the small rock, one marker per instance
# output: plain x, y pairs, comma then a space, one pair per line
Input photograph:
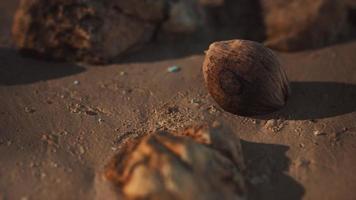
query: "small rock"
76, 82
29, 110
173, 69
318, 133
123, 73
212, 110
43, 175
81, 149
256, 180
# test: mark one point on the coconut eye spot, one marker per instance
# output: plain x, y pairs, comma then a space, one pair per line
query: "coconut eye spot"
231, 82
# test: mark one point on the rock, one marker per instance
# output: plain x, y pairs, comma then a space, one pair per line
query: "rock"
91, 31
293, 25
183, 17
350, 3
234, 19
197, 163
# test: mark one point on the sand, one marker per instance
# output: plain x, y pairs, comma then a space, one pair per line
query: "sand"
60, 123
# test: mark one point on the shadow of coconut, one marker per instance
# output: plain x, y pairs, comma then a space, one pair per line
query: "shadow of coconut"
316, 100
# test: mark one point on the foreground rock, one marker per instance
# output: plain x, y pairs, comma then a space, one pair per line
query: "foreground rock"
296, 25
197, 163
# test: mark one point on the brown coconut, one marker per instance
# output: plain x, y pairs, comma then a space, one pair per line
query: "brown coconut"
245, 78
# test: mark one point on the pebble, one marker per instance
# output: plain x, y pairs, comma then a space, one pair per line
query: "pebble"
43, 175
256, 180
318, 133
122, 73
81, 149
29, 110
173, 69
76, 82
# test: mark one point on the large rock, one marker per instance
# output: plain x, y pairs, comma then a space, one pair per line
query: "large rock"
303, 24
234, 19
91, 30
197, 163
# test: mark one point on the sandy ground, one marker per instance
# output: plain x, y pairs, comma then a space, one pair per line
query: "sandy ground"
60, 122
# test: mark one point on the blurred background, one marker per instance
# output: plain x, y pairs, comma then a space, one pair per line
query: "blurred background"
107, 31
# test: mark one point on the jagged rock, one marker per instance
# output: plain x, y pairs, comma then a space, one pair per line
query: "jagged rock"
197, 163
92, 30
302, 24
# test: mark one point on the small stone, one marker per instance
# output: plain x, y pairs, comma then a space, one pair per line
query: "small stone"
9, 143
76, 82
318, 133
43, 175
212, 110
29, 109
173, 69
100, 120
81, 149
256, 180
122, 73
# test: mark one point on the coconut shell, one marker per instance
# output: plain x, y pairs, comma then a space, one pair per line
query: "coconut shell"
245, 78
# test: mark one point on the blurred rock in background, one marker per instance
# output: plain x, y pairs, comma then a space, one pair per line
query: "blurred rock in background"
302, 24
99, 31
92, 31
